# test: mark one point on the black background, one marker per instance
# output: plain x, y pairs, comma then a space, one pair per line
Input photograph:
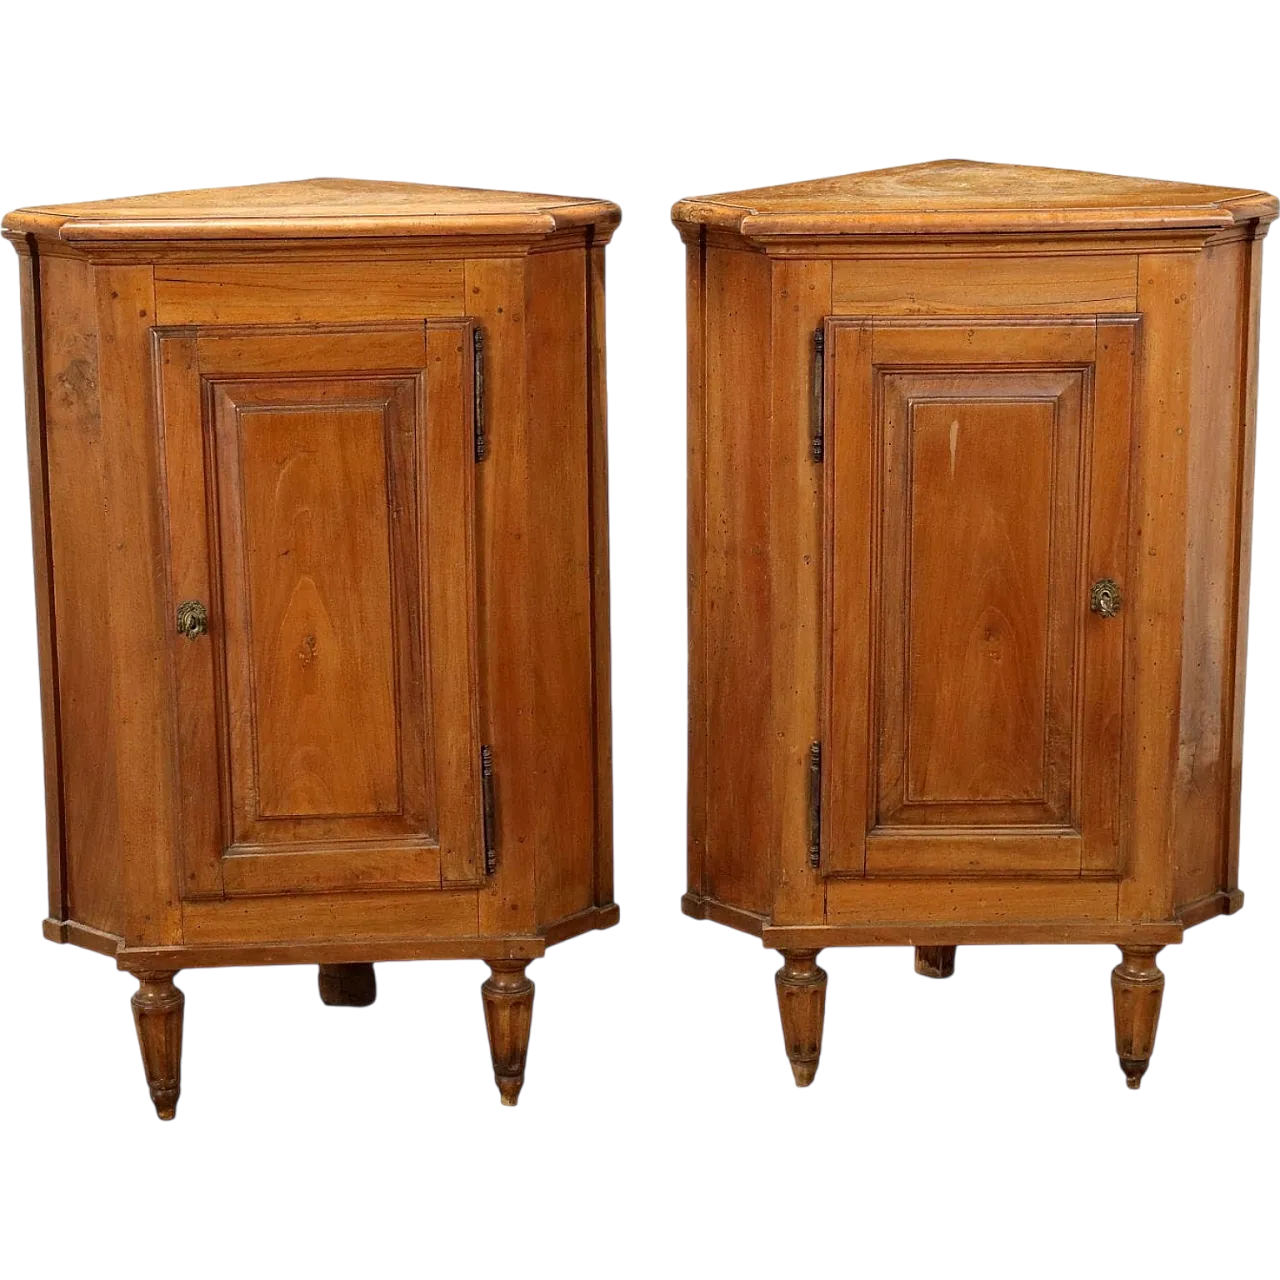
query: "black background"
662, 1019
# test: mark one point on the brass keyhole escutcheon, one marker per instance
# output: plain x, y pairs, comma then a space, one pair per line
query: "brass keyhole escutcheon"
1104, 598
193, 619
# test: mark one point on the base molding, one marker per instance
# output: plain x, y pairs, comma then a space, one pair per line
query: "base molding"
735, 917
929, 933
1226, 902
780, 937
82, 935
336, 952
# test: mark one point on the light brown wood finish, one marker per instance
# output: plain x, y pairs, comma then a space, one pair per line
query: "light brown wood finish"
33, 369
261, 399
329, 293
985, 899
317, 578
140, 623
601, 653
1137, 987
157, 1018
967, 197
1158, 549
1108, 552
1085, 285
975, 459
557, 710
801, 299
1032, 380
495, 291
508, 1014
847, 607
1252, 292
393, 946
980, 489
1214, 504
316, 208
347, 745
697, 797
81, 729
736, 581
802, 997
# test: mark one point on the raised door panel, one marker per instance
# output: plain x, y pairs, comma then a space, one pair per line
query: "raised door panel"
980, 520
977, 484
320, 507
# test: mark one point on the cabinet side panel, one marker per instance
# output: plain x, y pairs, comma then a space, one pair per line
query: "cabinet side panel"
801, 303
1213, 501
558, 765
1153, 665
601, 651
736, 600
1244, 544
139, 618
79, 539
696, 515
41, 570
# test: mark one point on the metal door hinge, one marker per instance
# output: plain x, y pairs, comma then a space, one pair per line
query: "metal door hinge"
486, 793
477, 392
815, 804
817, 424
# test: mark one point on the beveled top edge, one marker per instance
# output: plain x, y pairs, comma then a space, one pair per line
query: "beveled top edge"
313, 208
962, 196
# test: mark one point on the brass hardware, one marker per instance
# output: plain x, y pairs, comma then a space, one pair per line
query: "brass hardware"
486, 793
193, 619
815, 804
1104, 598
477, 392
817, 442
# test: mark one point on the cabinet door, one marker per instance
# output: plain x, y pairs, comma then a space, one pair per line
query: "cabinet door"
977, 496
320, 503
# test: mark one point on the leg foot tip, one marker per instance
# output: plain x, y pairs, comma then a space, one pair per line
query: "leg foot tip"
1134, 1069
804, 1073
509, 1089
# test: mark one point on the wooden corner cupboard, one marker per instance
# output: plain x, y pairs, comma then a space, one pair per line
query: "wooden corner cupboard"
970, 488
319, 510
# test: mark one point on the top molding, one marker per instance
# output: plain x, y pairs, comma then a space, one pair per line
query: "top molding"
315, 209
958, 197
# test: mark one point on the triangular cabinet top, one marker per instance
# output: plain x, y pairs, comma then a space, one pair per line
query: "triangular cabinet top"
315, 208
967, 196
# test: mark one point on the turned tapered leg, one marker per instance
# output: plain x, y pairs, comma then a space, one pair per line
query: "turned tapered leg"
508, 1015
936, 962
1136, 989
348, 984
802, 999
157, 1015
